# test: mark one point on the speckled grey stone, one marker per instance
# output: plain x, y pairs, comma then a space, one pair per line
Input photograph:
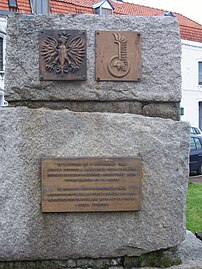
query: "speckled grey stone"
27, 135
152, 109
190, 251
161, 59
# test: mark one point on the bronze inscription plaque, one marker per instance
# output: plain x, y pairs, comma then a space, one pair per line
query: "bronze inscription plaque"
62, 55
118, 56
91, 184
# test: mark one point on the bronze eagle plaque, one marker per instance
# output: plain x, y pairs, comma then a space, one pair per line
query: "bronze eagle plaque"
91, 184
62, 55
118, 56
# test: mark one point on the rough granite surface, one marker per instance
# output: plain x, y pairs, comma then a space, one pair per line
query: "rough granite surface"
169, 110
190, 251
161, 59
27, 135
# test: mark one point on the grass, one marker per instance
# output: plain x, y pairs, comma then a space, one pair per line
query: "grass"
194, 207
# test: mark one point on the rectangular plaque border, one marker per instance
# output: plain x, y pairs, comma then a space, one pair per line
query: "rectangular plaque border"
110, 208
104, 54
77, 75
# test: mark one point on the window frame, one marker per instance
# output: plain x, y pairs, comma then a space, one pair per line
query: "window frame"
37, 6
1, 54
200, 73
3, 51
105, 11
103, 8
12, 4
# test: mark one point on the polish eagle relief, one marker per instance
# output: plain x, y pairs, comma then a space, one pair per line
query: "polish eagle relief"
118, 65
63, 55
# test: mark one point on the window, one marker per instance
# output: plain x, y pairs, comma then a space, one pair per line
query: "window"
40, 6
106, 11
1, 54
199, 73
12, 3
195, 143
198, 143
195, 130
103, 8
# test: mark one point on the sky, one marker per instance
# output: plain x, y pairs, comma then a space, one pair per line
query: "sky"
191, 9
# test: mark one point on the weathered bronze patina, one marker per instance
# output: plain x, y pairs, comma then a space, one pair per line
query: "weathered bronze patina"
63, 55
118, 56
91, 184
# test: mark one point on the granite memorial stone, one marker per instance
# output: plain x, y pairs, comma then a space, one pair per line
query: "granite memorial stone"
73, 120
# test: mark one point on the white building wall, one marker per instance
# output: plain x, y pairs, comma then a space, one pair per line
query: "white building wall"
3, 22
191, 91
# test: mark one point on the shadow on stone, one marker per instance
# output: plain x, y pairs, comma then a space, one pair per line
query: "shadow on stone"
199, 235
160, 258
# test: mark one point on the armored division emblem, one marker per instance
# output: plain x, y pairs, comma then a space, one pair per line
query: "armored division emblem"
118, 56
63, 55
118, 65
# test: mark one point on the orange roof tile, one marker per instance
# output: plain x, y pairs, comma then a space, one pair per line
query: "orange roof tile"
189, 29
64, 7
123, 8
192, 34
24, 6
4, 5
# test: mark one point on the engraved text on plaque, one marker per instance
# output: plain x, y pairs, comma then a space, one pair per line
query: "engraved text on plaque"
91, 184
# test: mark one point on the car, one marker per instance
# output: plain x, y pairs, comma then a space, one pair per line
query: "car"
195, 130
195, 154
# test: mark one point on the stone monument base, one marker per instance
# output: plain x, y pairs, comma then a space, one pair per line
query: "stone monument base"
187, 256
28, 135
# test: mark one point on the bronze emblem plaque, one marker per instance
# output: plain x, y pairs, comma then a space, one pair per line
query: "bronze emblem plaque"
62, 55
118, 56
91, 184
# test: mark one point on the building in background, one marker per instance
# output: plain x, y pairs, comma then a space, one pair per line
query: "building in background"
192, 82
190, 31
2, 49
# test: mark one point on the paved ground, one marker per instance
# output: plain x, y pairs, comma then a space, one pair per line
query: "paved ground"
196, 179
